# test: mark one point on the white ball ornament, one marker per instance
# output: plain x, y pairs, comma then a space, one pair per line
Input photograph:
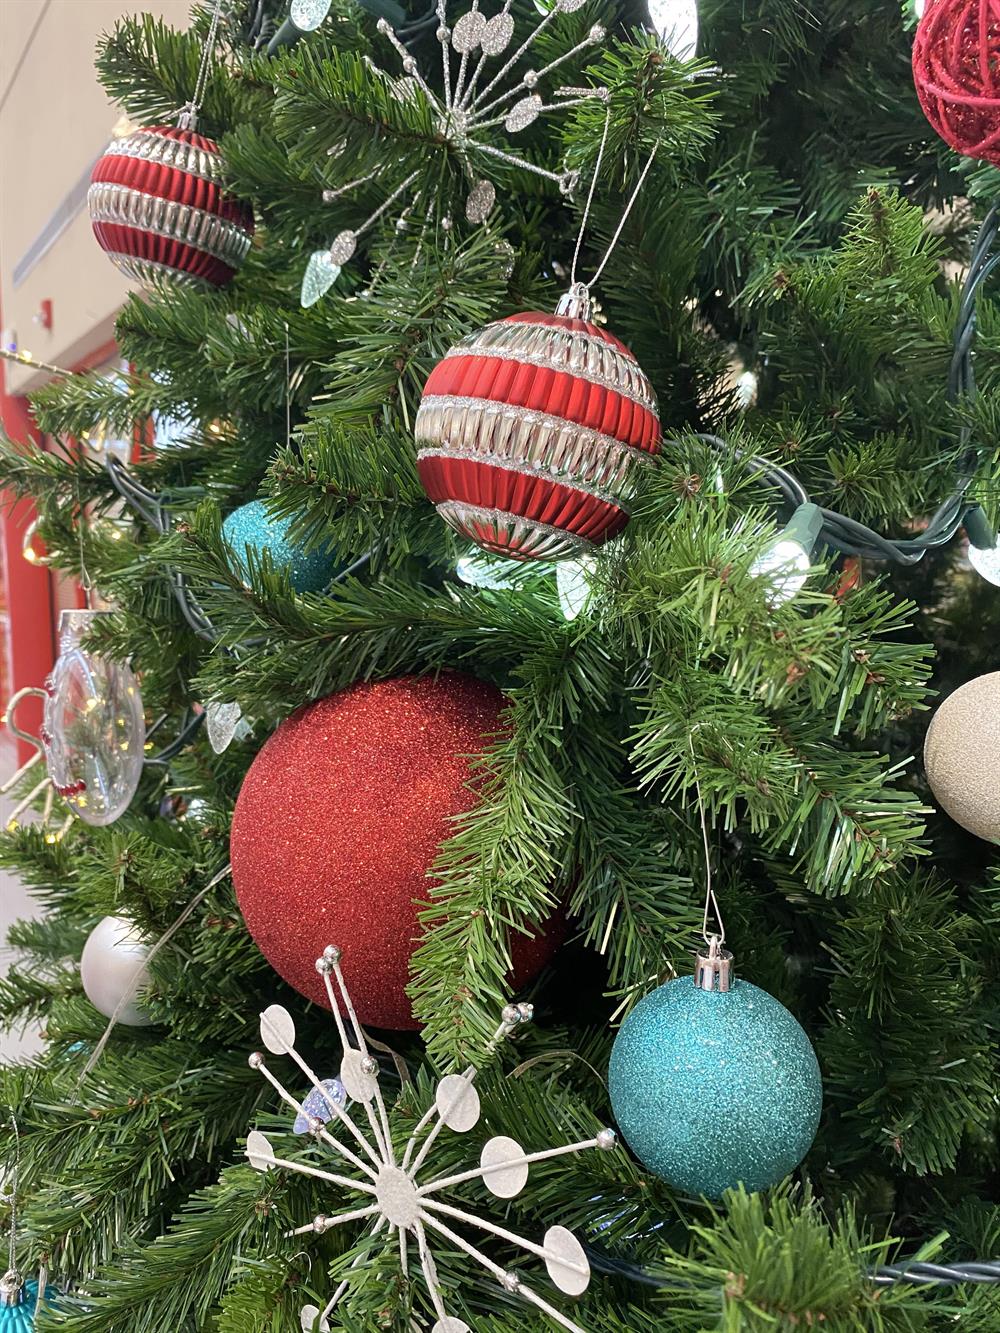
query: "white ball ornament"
112, 968
960, 756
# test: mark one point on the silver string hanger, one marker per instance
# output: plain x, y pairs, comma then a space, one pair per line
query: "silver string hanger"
12, 1283
590, 201
288, 389
711, 901
86, 582
187, 117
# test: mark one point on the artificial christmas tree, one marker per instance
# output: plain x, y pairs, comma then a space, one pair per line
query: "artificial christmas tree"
730, 717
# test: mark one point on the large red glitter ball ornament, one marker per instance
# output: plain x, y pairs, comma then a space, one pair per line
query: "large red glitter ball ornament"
339, 821
159, 209
956, 70
531, 430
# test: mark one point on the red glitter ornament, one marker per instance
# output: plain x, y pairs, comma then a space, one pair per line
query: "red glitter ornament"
956, 70
338, 822
530, 433
159, 209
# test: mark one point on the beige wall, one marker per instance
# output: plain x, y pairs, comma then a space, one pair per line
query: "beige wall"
55, 119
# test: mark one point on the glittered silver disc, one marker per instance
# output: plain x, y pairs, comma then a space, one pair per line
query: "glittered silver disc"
523, 113
468, 32
479, 204
343, 247
497, 34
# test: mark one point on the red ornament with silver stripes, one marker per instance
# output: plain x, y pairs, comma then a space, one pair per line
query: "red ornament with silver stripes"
531, 431
159, 209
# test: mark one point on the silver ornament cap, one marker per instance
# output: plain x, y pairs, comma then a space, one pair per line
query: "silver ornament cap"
12, 1289
576, 303
713, 967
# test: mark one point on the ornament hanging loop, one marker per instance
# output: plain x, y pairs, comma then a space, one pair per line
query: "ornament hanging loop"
29, 692
713, 967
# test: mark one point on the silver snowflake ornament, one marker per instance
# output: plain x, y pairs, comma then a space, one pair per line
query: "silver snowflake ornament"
399, 1194
475, 101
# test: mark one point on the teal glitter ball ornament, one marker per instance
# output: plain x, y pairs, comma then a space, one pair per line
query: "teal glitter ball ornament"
253, 526
713, 1088
20, 1317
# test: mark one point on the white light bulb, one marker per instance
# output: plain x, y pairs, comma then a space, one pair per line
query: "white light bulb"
785, 567
985, 560
307, 15
573, 585
746, 390
485, 571
676, 23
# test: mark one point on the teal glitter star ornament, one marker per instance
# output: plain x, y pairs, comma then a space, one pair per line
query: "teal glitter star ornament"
714, 1083
253, 528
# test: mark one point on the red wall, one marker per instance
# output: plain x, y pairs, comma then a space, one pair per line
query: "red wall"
30, 646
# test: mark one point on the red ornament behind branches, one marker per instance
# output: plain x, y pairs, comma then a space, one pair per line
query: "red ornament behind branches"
338, 825
956, 70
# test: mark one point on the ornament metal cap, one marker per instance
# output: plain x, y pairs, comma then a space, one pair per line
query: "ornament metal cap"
575, 304
12, 1289
713, 967
74, 624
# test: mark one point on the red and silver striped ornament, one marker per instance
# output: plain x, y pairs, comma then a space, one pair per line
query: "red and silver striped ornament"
530, 433
159, 209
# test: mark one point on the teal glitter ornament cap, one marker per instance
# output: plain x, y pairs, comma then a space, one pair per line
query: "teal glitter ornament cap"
253, 526
715, 1087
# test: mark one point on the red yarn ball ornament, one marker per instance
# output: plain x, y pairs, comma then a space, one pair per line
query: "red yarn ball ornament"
531, 432
338, 822
159, 208
956, 70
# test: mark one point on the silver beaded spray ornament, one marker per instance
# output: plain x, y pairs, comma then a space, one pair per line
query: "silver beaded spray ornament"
475, 101
400, 1197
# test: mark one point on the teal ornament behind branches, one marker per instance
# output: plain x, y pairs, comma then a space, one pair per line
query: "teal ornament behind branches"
252, 527
711, 1089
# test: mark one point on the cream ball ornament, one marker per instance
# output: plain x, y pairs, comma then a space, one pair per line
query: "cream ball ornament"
960, 756
112, 969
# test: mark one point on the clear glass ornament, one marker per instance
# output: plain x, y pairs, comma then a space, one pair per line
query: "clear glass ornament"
94, 731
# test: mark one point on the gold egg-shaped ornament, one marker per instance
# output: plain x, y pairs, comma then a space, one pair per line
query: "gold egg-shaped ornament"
962, 756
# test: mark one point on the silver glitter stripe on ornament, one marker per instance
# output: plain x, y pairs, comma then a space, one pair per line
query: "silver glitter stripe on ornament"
561, 350
186, 157
526, 469
477, 427
123, 207
149, 273
510, 535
